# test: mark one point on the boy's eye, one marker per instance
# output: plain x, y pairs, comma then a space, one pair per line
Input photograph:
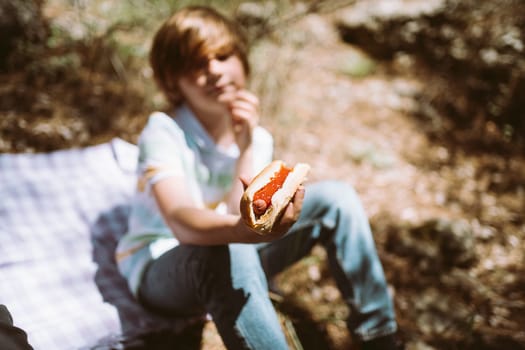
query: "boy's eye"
222, 57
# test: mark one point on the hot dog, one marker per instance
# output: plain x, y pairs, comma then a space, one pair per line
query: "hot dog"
268, 194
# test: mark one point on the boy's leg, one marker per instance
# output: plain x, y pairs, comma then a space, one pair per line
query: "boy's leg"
226, 281
332, 215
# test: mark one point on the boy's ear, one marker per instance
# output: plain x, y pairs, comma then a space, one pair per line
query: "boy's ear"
172, 83
172, 90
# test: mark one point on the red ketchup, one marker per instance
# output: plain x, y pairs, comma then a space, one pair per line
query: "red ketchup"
262, 199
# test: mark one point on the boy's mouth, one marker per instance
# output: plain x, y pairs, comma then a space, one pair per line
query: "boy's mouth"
225, 91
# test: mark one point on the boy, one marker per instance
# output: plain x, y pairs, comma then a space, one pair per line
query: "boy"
187, 251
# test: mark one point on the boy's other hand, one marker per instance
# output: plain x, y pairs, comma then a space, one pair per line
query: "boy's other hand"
244, 111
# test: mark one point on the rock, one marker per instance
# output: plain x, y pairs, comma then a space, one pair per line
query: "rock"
255, 17
436, 244
254, 13
474, 52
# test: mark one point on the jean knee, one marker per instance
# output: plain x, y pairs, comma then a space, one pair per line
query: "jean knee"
246, 267
333, 193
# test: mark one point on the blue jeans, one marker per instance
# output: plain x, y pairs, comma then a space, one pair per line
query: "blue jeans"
230, 282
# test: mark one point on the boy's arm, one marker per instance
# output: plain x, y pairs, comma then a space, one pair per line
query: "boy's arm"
244, 111
243, 170
193, 225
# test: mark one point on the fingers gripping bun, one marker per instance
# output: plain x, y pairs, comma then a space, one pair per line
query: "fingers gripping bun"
275, 185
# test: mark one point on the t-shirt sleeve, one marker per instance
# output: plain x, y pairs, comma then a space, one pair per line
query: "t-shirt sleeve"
160, 150
263, 148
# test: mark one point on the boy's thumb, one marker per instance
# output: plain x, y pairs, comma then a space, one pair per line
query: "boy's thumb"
245, 182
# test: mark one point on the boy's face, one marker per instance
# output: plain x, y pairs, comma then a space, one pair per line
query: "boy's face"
212, 88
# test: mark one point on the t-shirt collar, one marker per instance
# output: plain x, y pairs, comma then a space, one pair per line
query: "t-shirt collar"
193, 127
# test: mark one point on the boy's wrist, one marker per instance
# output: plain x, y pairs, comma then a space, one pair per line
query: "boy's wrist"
246, 149
241, 231
245, 234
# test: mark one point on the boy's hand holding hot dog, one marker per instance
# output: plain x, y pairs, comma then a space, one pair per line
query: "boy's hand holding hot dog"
272, 201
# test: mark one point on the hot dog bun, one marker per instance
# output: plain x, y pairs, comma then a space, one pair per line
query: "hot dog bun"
295, 176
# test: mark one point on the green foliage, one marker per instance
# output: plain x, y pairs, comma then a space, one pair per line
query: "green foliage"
358, 65
55, 67
121, 30
58, 37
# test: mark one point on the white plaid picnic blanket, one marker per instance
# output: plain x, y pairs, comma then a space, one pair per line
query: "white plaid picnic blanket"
61, 214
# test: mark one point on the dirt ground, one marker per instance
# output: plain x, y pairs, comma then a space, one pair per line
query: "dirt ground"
352, 126
361, 130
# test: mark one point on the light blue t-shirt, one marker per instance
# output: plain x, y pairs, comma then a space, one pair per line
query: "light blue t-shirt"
178, 146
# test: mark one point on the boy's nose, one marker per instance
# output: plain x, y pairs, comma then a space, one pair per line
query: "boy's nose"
214, 70
212, 62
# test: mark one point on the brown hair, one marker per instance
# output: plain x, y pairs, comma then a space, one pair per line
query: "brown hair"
184, 42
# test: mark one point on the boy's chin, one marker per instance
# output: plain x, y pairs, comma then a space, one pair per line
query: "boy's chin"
217, 107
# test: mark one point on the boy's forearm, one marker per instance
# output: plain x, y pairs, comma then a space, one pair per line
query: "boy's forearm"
194, 224
206, 227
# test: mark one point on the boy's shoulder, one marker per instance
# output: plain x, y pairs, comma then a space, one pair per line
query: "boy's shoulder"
159, 117
160, 124
161, 120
